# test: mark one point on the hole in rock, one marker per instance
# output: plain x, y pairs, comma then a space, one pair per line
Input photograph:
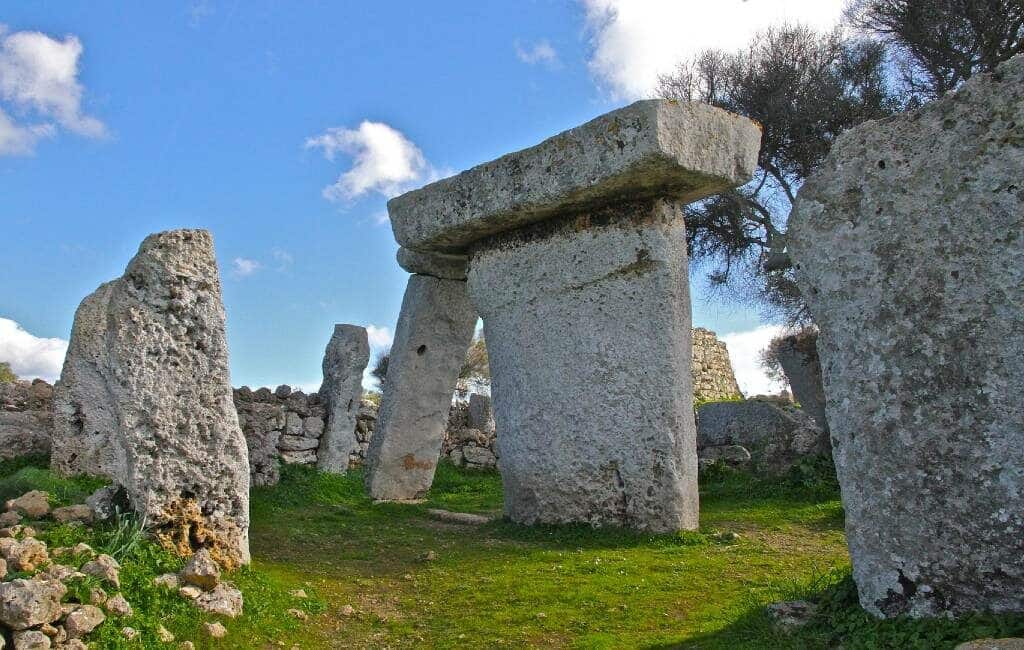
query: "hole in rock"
421, 350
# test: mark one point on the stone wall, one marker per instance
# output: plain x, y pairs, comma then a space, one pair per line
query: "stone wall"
26, 418
713, 378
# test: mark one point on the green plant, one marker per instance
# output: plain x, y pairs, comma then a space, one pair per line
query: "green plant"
7, 375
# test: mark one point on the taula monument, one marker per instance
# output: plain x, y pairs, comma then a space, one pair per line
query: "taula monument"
907, 245
574, 255
145, 398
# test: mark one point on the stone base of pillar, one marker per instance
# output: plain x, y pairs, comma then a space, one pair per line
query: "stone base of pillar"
434, 331
587, 322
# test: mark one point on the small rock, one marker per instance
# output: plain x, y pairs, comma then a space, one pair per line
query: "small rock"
84, 550
348, 610
104, 502
224, 599
74, 644
60, 572
298, 593
164, 635
167, 581
299, 614
83, 620
97, 596
118, 606
9, 518
215, 630
189, 591
3, 569
791, 614
79, 513
104, 567
458, 517
31, 640
56, 634
27, 555
201, 570
186, 645
34, 504
28, 603
429, 556
129, 633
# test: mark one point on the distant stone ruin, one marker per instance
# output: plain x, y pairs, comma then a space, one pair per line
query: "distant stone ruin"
713, 377
145, 398
577, 265
907, 247
346, 357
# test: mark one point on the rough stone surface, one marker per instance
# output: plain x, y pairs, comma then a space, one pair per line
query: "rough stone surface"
145, 397
434, 331
480, 415
438, 265
346, 357
651, 149
798, 356
201, 570
907, 246
33, 504
993, 644
83, 620
588, 331
31, 640
28, 603
713, 377
26, 418
777, 437
224, 599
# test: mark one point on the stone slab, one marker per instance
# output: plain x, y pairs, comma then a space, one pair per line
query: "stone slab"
907, 246
434, 330
346, 357
647, 150
588, 333
439, 265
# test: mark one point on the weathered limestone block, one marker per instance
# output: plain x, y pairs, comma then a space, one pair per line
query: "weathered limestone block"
439, 265
653, 149
145, 398
433, 333
798, 356
907, 245
480, 414
588, 333
776, 436
26, 418
346, 357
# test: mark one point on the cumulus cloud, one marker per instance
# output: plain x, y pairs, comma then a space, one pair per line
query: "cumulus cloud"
539, 52
39, 80
380, 337
31, 356
633, 41
383, 161
243, 267
745, 350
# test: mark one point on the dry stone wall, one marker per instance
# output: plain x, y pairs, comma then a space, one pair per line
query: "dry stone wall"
713, 377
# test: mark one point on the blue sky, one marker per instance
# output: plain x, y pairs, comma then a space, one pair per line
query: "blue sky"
283, 128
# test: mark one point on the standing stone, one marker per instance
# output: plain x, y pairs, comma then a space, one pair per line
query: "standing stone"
145, 398
480, 415
434, 330
578, 268
798, 356
907, 246
346, 357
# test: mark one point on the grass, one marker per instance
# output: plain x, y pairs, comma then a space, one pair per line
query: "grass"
411, 581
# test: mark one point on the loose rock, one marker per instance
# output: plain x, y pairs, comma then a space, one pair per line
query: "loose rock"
224, 599
34, 504
118, 606
104, 567
215, 630
201, 570
28, 603
83, 620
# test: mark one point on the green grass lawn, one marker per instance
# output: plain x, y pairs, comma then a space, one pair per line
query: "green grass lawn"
413, 581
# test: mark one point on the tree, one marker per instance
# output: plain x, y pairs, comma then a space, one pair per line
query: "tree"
939, 44
380, 366
804, 88
7, 375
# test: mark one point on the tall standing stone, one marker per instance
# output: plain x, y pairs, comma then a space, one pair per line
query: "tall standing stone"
434, 330
348, 353
798, 356
577, 265
145, 398
907, 245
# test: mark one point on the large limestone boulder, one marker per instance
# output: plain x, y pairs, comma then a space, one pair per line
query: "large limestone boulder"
145, 398
776, 436
346, 357
907, 246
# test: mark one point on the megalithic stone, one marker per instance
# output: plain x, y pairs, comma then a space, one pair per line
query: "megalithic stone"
145, 398
578, 268
346, 357
434, 330
907, 247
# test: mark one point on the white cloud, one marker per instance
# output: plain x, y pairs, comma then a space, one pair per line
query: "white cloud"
383, 161
31, 356
745, 353
634, 41
539, 52
243, 267
283, 258
39, 77
380, 337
